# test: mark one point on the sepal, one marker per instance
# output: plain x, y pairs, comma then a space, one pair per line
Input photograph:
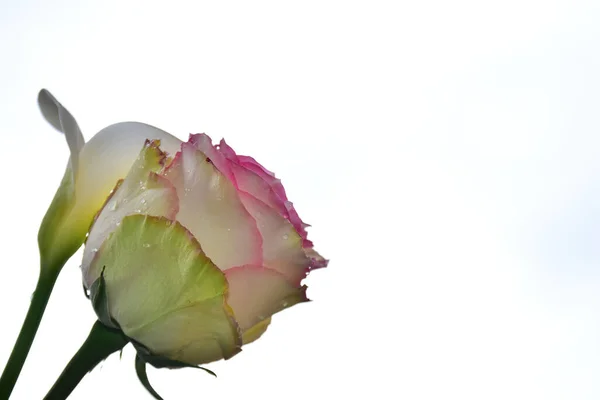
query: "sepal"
144, 356
100, 302
162, 362
140, 369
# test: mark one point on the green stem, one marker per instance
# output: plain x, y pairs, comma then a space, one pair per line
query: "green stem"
101, 342
44, 287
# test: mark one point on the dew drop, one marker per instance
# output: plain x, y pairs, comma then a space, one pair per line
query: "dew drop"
146, 245
113, 206
285, 236
94, 250
143, 201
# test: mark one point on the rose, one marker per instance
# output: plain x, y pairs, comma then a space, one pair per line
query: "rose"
188, 256
193, 252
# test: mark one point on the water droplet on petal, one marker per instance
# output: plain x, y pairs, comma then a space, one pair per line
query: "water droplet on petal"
113, 206
285, 236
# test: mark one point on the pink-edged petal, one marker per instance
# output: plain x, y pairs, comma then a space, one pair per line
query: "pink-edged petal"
256, 293
203, 143
253, 178
282, 246
251, 183
316, 260
211, 209
142, 192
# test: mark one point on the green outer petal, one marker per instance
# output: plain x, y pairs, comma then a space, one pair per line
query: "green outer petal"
165, 293
198, 334
256, 331
142, 192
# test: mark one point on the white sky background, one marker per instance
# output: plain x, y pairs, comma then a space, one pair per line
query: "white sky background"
446, 154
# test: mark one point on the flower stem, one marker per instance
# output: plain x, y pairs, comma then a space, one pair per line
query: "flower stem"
39, 300
100, 343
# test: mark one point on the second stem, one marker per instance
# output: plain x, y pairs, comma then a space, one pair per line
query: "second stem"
39, 300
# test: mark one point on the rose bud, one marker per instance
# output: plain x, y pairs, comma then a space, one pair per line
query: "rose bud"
194, 252
91, 173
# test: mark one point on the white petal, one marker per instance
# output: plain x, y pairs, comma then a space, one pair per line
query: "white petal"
210, 208
256, 293
109, 155
62, 120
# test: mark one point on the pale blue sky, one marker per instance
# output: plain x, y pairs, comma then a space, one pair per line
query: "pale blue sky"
446, 154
